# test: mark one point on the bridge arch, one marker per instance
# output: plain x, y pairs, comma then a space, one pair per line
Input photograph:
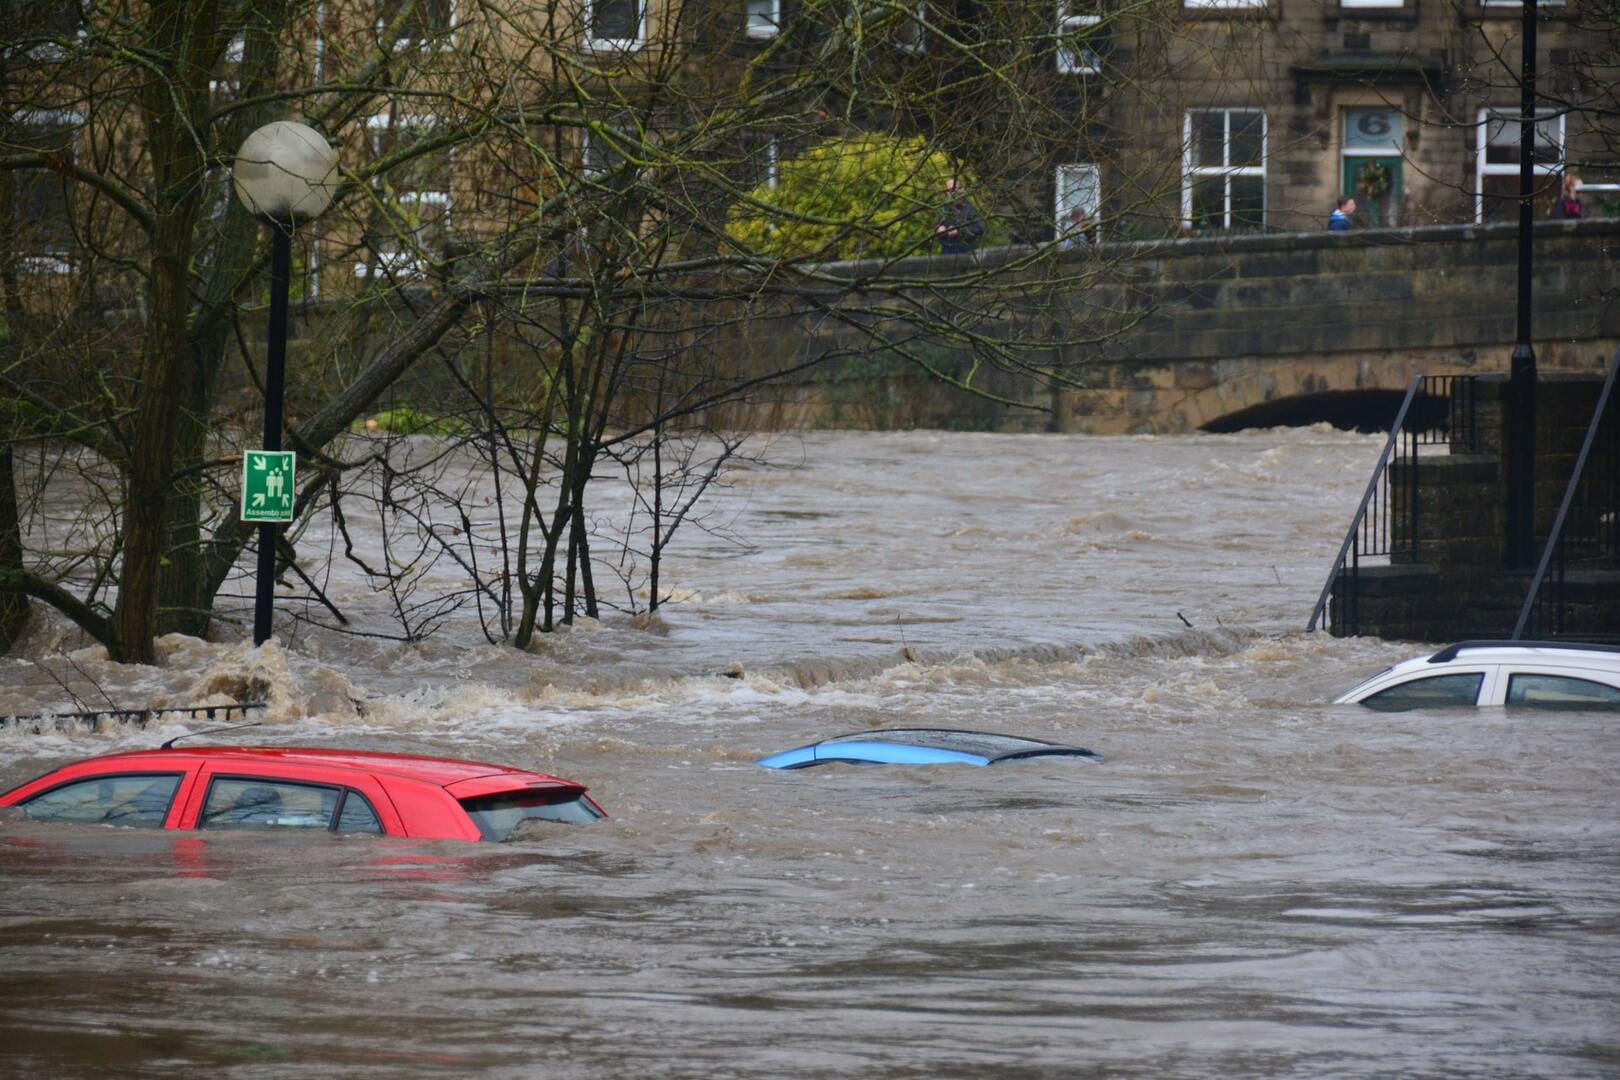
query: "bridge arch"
1364, 410
1355, 392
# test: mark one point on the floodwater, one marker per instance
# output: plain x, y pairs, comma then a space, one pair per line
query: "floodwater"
1253, 884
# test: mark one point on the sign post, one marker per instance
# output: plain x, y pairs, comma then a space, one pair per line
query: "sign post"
285, 174
267, 486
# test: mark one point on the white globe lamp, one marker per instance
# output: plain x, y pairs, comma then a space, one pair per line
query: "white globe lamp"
286, 172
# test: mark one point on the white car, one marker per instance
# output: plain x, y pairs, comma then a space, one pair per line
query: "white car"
1532, 674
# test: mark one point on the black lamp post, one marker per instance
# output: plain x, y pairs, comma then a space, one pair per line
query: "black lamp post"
285, 174
1521, 526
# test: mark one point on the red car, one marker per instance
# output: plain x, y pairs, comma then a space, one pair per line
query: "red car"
261, 787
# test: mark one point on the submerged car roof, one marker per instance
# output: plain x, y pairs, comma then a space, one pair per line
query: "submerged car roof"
921, 746
434, 770
1547, 653
1554, 652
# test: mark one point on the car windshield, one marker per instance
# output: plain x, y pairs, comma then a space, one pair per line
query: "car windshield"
979, 743
498, 815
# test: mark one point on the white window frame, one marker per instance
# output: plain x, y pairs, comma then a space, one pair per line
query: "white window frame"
1060, 211
763, 30
1383, 5
405, 261
1189, 171
1225, 5
1483, 168
773, 165
1519, 4
442, 43
234, 51
596, 44
1346, 150
919, 21
1067, 62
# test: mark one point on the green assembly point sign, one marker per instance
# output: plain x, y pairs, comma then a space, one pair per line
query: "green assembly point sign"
267, 485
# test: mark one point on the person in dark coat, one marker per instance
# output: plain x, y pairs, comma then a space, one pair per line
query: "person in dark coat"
961, 228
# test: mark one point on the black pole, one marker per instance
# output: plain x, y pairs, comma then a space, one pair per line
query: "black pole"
1521, 527
274, 377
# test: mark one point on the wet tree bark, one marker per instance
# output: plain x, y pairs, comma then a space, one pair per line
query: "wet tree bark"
13, 603
174, 102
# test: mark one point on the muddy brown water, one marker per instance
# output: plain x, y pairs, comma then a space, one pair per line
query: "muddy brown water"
1254, 883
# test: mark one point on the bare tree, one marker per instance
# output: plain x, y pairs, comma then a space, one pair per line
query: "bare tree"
551, 187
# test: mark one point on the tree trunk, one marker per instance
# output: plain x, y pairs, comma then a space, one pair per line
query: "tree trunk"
13, 604
152, 449
174, 100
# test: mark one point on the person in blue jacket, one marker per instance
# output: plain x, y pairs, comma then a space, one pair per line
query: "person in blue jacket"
1339, 221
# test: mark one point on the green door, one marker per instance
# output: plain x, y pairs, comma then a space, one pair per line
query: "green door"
1375, 183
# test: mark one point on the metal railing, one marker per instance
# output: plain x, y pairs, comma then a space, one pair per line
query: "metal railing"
94, 718
1436, 409
1586, 533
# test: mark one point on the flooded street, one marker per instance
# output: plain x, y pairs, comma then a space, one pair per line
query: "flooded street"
1252, 884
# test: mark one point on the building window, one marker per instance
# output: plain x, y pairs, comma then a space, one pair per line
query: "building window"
229, 82
910, 35
1373, 164
1225, 156
613, 24
602, 153
1518, 5
1076, 201
1223, 5
1496, 193
44, 19
40, 201
761, 162
1383, 4
427, 22
410, 224
1075, 54
764, 18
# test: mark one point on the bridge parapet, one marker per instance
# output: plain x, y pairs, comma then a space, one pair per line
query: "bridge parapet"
1218, 326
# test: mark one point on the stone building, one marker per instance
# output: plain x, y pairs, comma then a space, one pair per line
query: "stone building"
1169, 117
1269, 110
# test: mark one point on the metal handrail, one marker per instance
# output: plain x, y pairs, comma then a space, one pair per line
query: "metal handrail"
1569, 498
92, 717
1366, 500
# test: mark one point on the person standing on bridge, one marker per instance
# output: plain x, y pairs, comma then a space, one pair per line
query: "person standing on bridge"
961, 227
1568, 206
1339, 220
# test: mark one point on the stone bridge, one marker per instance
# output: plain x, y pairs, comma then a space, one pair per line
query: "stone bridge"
1266, 329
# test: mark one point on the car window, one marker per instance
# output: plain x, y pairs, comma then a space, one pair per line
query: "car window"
138, 800
1560, 692
985, 744
497, 815
357, 816
1435, 691
254, 803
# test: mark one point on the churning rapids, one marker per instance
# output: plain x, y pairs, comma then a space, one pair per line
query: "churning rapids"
1254, 884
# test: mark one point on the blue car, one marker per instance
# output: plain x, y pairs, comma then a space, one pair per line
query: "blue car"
922, 746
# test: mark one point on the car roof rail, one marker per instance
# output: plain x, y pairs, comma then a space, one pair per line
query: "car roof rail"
169, 744
1450, 651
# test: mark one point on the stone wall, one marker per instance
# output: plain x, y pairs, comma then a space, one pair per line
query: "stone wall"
1230, 324
1169, 336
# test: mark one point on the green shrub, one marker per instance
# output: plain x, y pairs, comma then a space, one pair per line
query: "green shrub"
406, 420
862, 197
